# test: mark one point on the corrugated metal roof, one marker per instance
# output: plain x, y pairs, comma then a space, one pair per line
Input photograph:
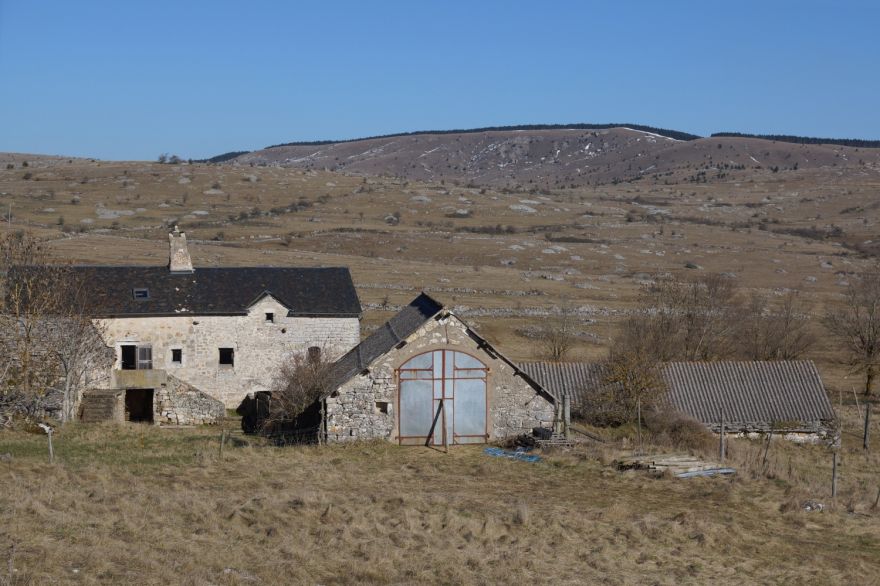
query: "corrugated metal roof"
571, 379
754, 395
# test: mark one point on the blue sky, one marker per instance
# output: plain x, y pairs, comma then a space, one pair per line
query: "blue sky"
132, 79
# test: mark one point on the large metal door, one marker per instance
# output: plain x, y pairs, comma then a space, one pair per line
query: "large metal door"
442, 399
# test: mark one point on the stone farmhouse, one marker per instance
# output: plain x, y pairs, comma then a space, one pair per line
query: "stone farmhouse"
190, 342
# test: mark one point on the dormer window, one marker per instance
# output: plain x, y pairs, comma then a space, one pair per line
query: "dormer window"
141, 294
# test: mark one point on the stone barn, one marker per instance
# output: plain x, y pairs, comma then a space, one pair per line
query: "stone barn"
426, 377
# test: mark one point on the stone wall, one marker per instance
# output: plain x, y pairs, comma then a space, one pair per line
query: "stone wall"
259, 345
178, 403
364, 407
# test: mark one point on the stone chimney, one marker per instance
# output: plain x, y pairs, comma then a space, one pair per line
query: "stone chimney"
179, 260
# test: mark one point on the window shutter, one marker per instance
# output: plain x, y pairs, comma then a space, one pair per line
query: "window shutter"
145, 357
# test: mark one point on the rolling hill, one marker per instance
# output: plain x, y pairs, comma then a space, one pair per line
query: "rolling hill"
557, 158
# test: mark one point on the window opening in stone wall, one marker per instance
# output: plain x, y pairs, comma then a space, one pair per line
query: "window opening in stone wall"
270, 317
314, 354
129, 357
176, 356
134, 357
227, 357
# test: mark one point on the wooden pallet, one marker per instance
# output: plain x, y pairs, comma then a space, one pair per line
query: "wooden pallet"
682, 465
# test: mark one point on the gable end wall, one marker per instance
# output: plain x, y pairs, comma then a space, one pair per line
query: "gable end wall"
514, 406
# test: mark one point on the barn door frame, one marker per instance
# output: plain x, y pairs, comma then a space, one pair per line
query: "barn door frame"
439, 380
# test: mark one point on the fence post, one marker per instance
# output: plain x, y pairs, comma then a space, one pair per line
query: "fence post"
51, 449
639, 411
867, 425
834, 475
222, 441
566, 410
767, 448
445, 439
721, 440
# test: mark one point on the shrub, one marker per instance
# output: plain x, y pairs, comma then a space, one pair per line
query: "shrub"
677, 430
629, 379
292, 402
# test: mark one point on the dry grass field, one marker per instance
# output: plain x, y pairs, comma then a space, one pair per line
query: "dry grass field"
140, 505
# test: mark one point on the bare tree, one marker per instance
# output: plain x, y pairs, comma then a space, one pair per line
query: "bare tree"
768, 332
49, 343
557, 333
630, 379
301, 381
689, 319
76, 343
857, 326
707, 317
28, 297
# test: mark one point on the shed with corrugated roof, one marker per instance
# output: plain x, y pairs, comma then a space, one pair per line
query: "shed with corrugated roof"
786, 396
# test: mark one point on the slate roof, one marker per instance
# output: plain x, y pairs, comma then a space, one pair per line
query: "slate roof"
218, 291
754, 395
385, 338
396, 330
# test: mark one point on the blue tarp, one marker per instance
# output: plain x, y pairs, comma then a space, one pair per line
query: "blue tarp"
517, 454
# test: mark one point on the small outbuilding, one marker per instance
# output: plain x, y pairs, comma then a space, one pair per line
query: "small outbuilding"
426, 378
786, 396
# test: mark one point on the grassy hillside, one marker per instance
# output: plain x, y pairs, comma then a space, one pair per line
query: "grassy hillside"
502, 257
565, 157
